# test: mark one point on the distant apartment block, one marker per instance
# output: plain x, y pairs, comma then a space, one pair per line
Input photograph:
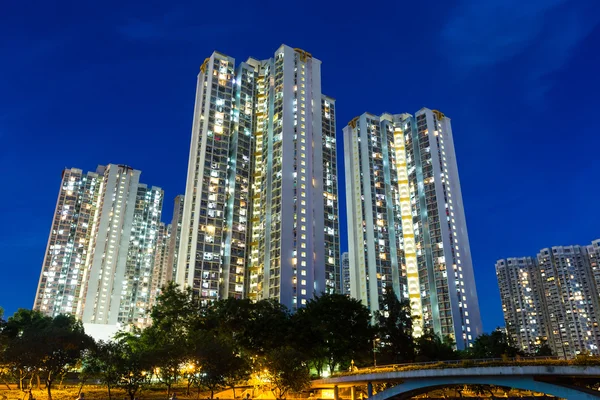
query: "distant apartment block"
522, 302
100, 257
553, 298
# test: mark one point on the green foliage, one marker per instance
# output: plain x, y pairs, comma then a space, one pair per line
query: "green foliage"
217, 363
287, 370
101, 362
52, 346
336, 328
253, 327
164, 341
543, 350
63, 343
133, 362
430, 347
395, 330
493, 345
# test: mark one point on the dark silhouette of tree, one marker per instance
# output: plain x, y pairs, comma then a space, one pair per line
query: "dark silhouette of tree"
287, 370
101, 362
543, 349
339, 329
430, 347
23, 352
216, 361
133, 363
175, 310
64, 344
394, 329
493, 345
253, 327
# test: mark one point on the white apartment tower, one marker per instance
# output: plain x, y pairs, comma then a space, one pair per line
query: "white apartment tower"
571, 300
406, 222
61, 286
553, 298
101, 255
163, 270
523, 304
260, 217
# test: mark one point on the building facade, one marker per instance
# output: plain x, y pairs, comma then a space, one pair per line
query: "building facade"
345, 273
107, 281
553, 298
175, 237
522, 298
260, 215
61, 286
163, 270
406, 222
571, 300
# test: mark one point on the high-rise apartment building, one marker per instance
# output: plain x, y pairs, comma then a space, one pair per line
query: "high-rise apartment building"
61, 286
345, 274
163, 270
552, 298
406, 222
175, 237
594, 255
571, 300
260, 214
521, 293
101, 251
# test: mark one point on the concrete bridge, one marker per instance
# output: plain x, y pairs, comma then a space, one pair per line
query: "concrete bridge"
549, 379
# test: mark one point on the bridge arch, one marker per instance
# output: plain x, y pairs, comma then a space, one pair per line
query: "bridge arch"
413, 387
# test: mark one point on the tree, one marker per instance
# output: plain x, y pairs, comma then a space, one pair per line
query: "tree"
217, 363
543, 349
102, 361
494, 345
174, 312
287, 371
254, 328
395, 330
134, 362
430, 347
4, 366
338, 328
24, 350
64, 342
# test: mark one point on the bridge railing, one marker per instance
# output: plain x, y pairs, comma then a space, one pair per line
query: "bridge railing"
507, 361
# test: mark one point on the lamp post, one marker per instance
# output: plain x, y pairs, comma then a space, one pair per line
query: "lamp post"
375, 340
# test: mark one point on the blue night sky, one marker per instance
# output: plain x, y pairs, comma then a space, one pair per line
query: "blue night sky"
83, 85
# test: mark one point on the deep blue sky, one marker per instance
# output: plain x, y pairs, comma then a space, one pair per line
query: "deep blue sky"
82, 85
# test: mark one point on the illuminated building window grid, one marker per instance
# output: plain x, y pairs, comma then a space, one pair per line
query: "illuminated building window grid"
572, 306
259, 195
435, 232
136, 292
330, 192
217, 108
521, 296
61, 285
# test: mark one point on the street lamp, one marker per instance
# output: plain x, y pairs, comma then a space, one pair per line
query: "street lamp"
375, 351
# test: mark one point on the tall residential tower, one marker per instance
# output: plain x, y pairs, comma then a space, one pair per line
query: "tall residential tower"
406, 222
260, 217
523, 303
101, 251
554, 299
